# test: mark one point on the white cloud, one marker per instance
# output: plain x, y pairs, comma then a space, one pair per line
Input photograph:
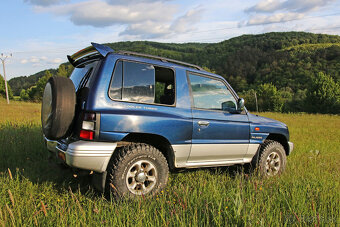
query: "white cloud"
151, 29
265, 6
269, 6
41, 61
98, 13
275, 18
186, 22
276, 11
141, 19
45, 2
57, 61
23, 61
305, 6
35, 59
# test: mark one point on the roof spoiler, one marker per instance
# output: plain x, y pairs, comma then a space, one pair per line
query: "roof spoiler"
95, 49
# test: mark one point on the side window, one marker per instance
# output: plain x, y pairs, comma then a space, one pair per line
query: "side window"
117, 82
165, 86
211, 94
138, 82
144, 83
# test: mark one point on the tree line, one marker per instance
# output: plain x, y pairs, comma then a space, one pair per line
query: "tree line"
288, 71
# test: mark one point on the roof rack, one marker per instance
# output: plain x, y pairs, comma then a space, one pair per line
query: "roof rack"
161, 59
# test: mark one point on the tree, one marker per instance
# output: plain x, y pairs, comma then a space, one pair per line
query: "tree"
24, 95
269, 99
324, 94
249, 99
3, 89
35, 92
62, 71
41, 85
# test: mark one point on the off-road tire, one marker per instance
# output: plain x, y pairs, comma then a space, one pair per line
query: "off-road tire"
58, 107
122, 163
272, 159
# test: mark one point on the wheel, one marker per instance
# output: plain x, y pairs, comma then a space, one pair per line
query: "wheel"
58, 107
137, 169
272, 159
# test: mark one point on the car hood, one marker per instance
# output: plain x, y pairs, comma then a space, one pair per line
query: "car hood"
256, 119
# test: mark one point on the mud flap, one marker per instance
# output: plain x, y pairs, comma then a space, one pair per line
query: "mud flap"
99, 180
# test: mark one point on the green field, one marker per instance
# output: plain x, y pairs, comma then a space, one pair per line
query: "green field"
35, 191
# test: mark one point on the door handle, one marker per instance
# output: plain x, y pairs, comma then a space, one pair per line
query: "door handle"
203, 123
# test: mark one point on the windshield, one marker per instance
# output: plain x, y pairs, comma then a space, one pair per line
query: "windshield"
81, 74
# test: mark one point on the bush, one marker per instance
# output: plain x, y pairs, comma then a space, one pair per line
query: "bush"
269, 98
323, 96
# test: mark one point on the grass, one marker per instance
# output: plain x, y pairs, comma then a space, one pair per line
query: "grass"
35, 191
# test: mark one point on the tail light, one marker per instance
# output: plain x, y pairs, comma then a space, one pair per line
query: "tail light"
88, 126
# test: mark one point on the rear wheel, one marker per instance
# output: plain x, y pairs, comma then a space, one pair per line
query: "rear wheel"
137, 169
272, 159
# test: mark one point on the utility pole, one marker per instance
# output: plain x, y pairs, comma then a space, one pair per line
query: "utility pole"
3, 59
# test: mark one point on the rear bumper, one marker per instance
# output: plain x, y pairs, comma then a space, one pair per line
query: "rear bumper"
86, 155
291, 147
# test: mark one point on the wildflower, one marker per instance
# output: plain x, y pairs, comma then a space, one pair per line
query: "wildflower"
226, 207
260, 188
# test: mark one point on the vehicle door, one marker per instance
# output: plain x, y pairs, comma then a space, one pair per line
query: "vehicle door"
220, 132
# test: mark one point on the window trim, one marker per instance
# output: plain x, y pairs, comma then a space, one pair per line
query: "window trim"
213, 78
145, 63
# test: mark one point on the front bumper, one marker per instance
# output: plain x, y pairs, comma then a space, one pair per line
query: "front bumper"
291, 147
86, 155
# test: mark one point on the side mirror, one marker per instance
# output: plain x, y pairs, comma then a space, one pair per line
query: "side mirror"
240, 104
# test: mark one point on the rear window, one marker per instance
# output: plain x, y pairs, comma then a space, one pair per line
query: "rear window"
81, 74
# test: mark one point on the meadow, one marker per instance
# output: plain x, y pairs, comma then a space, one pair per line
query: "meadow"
34, 191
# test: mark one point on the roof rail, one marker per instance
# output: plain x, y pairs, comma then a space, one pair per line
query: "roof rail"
160, 58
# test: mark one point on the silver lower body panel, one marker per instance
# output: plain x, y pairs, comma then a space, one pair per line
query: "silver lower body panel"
86, 155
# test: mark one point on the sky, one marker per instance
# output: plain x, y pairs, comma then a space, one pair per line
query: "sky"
41, 33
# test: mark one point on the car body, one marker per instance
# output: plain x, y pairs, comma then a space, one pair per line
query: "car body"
191, 127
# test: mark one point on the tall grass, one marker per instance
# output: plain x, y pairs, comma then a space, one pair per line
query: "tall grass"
35, 191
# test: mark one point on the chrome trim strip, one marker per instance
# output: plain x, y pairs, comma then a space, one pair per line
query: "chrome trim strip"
212, 164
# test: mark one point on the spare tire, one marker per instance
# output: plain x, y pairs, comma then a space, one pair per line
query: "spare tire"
58, 107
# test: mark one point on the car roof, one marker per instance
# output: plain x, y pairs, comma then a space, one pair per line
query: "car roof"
164, 63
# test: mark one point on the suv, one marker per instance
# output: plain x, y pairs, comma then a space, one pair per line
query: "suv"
130, 117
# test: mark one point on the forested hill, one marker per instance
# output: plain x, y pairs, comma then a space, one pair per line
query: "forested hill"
284, 63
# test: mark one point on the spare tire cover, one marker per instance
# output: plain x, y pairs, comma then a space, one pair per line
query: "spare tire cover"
58, 107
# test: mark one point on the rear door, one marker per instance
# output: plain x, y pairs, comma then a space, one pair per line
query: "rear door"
219, 134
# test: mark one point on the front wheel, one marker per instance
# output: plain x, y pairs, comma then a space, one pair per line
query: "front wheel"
137, 169
272, 159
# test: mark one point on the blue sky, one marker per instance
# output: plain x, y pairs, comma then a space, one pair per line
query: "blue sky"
40, 33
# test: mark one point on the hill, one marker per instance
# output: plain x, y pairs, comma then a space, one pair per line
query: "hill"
290, 61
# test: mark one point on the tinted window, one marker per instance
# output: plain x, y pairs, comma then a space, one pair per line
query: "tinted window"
211, 94
165, 86
145, 83
81, 74
117, 81
138, 82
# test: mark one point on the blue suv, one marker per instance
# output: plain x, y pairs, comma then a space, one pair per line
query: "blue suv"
129, 118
